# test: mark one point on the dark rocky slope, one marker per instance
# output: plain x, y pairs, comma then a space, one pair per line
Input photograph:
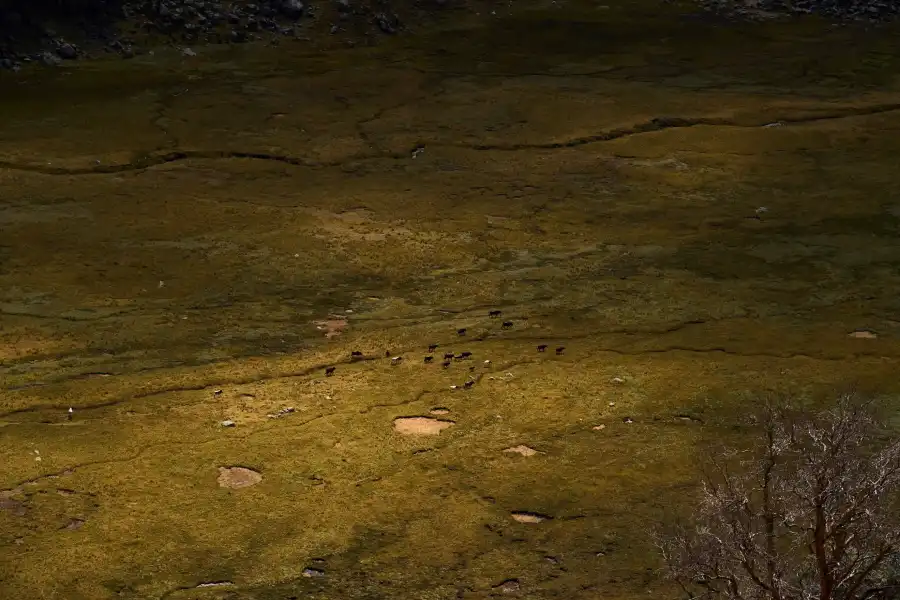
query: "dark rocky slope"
53, 31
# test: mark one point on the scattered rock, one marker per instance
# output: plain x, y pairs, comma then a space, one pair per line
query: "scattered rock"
49, 59
863, 334
388, 23
439, 410
210, 584
421, 425
510, 586
292, 9
529, 517
598, 427
187, 52
67, 51
523, 450
74, 524
310, 572
844, 10
228, 423
238, 477
284, 411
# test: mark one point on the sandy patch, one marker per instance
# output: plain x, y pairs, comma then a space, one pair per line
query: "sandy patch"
421, 425
238, 477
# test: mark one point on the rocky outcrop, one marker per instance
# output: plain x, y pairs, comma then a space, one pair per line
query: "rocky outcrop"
50, 32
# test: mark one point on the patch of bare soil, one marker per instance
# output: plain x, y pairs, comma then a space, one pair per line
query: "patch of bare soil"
421, 425
238, 477
332, 327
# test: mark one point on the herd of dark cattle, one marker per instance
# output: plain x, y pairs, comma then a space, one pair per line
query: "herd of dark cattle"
449, 357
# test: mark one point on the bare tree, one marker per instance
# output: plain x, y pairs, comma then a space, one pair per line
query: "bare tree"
810, 512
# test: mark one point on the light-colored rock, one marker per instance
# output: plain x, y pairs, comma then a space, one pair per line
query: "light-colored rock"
238, 477
421, 425
528, 517
863, 334
523, 450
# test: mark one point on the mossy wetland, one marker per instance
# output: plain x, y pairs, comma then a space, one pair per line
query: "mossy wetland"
696, 210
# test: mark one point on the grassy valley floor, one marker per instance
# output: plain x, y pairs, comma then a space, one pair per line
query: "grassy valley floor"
696, 211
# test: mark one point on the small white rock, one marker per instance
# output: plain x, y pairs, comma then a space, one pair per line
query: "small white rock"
228, 423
